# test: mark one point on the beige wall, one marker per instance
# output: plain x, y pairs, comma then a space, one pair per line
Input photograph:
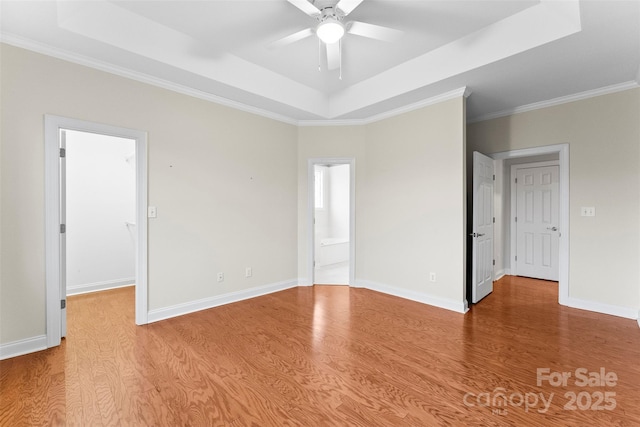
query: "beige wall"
603, 134
410, 198
231, 189
224, 183
414, 203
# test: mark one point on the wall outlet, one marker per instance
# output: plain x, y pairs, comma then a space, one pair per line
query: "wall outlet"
220, 277
432, 277
248, 272
152, 212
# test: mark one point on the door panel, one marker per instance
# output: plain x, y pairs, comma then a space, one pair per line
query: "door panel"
482, 269
537, 234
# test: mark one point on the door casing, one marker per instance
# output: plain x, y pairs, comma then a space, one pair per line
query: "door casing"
52, 126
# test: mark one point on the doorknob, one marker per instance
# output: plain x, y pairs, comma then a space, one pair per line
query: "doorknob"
552, 228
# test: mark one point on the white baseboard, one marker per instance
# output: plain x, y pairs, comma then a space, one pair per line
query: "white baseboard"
499, 275
304, 282
598, 307
20, 347
446, 303
100, 286
218, 300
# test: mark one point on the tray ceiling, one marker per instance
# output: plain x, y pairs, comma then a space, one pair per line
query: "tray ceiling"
508, 54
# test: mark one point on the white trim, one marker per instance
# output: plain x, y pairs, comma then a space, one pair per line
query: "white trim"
446, 303
52, 125
598, 307
558, 101
25, 346
563, 160
304, 282
52, 235
457, 93
351, 161
100, 286
218, 300
75, 58
499, 275
142, 292
513, 238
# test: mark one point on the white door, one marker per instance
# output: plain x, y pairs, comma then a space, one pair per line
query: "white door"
63, 234
482, 264
537, 233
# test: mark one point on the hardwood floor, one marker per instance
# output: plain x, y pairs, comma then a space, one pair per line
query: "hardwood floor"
329, 356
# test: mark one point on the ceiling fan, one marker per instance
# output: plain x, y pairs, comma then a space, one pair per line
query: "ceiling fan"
331, 28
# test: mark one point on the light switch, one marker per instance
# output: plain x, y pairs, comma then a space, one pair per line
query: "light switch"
152, 212
587, 211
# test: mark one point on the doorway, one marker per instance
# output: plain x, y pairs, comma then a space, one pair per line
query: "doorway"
57, 129
98, 207
505, 220
331, 213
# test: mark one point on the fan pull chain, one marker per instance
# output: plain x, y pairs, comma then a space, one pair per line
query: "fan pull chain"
340, 54
319, 54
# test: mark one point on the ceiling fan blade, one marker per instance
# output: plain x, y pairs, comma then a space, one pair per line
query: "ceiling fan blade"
292, 38
347, 6
333, 56
306, 7
374, 31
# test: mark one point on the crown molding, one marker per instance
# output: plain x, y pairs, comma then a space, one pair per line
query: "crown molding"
457, 93
559, 101
65, 55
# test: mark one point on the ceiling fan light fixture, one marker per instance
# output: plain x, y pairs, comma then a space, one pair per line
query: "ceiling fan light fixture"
330, 30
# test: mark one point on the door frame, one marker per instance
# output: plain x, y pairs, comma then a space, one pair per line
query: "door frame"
514, 208
563, 193
53, 267
311, 163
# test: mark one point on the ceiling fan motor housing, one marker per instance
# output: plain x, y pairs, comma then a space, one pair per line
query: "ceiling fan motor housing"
330, 28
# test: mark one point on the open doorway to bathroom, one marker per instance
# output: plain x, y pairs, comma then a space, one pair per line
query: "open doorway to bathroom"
332, 223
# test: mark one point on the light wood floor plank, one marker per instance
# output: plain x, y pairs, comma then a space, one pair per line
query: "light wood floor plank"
326, 356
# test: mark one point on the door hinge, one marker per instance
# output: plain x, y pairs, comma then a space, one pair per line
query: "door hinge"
63, 304
494, 262
494, 177
63, 228
516, 219
494, 219
516, 257
63, 152
516, 180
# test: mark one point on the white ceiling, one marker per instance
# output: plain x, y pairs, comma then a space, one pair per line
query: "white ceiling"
509, 54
